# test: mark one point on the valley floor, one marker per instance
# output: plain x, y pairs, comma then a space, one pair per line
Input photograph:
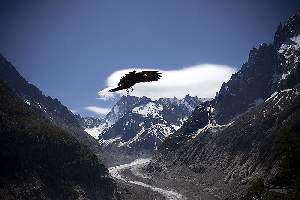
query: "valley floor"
134, 183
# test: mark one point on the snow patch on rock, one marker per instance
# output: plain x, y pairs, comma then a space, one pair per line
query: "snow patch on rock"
150, 109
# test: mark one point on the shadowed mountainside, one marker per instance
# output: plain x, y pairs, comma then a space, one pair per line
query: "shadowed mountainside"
42, 161
48, 107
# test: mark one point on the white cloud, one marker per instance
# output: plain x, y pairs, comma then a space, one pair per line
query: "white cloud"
98, 110
202, 80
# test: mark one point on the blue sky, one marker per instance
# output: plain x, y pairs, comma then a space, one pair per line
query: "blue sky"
69, 48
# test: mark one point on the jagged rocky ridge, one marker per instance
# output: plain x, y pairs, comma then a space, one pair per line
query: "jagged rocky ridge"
48, 107
141, 124
40, 160
245, 142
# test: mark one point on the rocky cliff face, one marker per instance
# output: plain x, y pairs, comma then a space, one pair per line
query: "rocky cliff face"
286, 43
270, 67
240, 138
248, 87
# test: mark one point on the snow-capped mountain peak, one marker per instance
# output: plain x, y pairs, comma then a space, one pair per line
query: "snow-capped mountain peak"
142, 123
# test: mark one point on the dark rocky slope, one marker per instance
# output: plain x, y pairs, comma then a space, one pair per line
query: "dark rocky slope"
229, 158
40, 160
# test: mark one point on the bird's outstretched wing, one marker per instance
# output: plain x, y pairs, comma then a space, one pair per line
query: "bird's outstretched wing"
130, 79
126, 78
127, 81
147, 76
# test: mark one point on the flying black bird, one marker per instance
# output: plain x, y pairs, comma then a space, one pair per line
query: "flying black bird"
134, 77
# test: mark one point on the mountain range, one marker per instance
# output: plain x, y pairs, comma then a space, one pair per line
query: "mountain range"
141, 124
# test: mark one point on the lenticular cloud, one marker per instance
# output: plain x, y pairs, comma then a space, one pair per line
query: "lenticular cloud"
202, 80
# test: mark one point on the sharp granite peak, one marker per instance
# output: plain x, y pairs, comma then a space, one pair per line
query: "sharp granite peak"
142, 124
